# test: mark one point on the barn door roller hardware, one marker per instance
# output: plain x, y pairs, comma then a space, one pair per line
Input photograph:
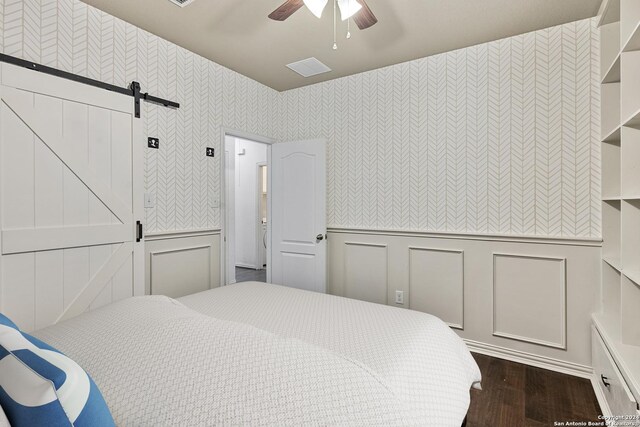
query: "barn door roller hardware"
133, 90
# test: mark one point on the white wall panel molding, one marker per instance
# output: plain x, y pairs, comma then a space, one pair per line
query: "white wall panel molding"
366, 272
547, 240
460, 274
163, 265
436, 283
529, 299
180, 265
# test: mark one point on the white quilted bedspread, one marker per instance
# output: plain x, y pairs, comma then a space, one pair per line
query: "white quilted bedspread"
159, 363
424, 363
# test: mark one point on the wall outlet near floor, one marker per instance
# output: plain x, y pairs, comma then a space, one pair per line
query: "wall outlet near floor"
399, 297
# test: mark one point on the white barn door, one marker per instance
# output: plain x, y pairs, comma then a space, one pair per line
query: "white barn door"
70, 195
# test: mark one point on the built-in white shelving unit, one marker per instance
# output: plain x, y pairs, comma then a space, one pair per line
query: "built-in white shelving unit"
618, 318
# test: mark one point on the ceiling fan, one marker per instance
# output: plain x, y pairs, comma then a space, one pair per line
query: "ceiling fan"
356, 9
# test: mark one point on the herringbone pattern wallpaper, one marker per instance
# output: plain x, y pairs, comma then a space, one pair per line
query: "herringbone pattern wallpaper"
72, 36
497, 138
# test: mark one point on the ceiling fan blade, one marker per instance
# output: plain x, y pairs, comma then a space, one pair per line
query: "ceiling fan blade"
286, 10
365, 17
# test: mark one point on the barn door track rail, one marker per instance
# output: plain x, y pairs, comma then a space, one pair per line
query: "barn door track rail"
133, 90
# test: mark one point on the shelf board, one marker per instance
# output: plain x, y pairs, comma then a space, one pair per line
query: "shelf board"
632, 275
627, 357
632, 121
612, 138
637, 197
613, 135
634, 40
612, 201
609, 12
613, 73
613, 262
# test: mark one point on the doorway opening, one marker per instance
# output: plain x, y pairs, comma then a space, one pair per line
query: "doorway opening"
246, 214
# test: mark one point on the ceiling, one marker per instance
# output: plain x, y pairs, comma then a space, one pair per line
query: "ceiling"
238, 34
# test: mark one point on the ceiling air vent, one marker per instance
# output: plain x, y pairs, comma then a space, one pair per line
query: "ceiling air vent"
309, 67
181, 3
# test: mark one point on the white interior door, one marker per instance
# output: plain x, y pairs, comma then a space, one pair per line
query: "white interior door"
70, 194
298, 208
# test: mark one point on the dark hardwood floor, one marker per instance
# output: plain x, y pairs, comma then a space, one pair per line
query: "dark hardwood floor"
519, 395
250, 275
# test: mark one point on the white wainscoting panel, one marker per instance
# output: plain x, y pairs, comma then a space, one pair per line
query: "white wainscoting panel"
436, 283
366, 272
181, 265
180, 272
529, 299
546, 289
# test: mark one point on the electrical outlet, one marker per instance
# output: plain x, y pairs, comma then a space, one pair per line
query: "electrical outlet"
399, 297
215, 204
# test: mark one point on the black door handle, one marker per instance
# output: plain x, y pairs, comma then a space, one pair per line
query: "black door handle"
604, 381
138, 231
319, 237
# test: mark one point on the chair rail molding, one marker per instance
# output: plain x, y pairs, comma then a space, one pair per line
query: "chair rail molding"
540, 239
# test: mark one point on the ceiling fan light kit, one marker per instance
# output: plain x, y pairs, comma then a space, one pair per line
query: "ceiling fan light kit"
316, 6
348, 8
356, 9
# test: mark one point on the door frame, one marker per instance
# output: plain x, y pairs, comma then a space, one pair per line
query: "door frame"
226, 131
260, 238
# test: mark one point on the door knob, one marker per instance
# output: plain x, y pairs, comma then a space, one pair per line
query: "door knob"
319, 237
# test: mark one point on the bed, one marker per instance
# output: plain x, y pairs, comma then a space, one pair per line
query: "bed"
259, 354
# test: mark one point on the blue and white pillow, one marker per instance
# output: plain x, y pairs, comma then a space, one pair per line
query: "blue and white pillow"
39, 386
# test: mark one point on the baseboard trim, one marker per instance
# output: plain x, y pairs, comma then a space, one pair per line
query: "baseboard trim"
543, 362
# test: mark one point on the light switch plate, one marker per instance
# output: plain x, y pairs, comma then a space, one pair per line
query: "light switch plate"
149, 200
